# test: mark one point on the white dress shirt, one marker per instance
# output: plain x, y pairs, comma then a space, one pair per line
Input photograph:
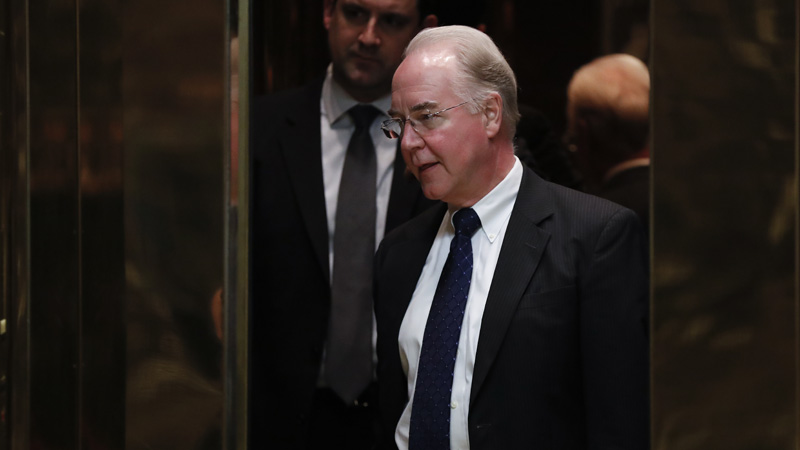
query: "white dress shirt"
336, 127
494, 210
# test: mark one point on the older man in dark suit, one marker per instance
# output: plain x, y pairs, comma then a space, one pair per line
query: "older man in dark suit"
607, 115
514, 316
326, 185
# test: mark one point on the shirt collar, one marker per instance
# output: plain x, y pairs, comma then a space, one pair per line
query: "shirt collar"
336, 101
495, 208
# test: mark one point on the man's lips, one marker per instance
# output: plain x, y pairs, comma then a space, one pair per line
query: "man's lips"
425, 167
365, 58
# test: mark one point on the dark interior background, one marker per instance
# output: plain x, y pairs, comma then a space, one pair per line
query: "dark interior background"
544, 41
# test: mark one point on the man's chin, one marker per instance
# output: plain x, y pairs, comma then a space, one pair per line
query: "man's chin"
430, 192
367, 82
368, 77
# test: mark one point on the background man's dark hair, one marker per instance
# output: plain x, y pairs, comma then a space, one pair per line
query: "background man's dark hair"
454, 12
424, 7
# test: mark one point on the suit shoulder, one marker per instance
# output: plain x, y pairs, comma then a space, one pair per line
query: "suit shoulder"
271, 116
275, 105
585, 217
581, 225
280, 103
582, 205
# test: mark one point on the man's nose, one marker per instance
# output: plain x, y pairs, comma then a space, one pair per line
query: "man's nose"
410, 139
369, 35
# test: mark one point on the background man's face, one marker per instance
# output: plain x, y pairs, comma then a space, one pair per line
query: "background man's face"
367, 39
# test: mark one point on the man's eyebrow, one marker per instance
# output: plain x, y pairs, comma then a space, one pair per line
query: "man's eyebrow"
423, 105
354, 6
396, 16
415, 108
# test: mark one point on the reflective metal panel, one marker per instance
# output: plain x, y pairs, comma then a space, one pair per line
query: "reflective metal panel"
724, 235
14, 170
173, 126
102, 278
95, 281
236, 330
7, 178
54, 225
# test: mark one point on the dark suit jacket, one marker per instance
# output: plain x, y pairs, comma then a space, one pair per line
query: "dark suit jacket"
290, 279
562, 359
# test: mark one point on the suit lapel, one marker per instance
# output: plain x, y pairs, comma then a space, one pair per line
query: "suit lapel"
523, 246
302, 150
410, 255
414, 253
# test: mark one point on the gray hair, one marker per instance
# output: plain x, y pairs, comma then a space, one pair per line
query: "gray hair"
612, 94
618, 84
482, 68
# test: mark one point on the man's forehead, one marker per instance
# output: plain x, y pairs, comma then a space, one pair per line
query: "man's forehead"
424, 67
418, 88
389, 6
433, 57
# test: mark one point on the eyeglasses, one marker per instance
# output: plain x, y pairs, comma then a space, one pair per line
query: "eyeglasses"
421, 121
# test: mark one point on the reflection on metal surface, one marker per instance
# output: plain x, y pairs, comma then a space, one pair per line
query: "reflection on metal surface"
102, 278
725, 205
13, 234
54, 221
6, 182
235, 315
111, 342
173, 100
65, 290
15, 192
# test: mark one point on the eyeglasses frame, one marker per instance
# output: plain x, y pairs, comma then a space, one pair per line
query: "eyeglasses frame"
387, 123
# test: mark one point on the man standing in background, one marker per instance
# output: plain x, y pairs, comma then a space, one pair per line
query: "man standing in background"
608, 122
326, 186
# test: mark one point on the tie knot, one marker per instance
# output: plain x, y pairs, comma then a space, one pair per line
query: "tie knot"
363, 115
466, 222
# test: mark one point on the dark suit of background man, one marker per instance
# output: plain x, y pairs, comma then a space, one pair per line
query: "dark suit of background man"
299, 146
551, 350
608, 122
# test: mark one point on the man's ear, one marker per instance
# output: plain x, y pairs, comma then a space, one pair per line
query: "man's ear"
493, 114
430, 21
327, 13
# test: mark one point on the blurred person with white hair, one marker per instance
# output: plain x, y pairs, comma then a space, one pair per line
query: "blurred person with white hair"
608, 123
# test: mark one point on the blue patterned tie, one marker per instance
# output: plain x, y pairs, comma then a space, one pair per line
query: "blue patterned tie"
430, 411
